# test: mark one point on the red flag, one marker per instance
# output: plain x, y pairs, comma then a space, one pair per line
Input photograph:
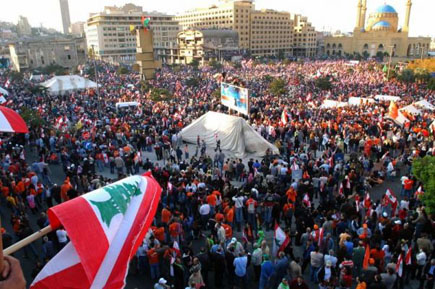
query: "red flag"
408, 256
366, 257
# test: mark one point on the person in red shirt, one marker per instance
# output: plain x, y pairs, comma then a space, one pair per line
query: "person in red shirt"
211, 200
175, 231
166, 216
407, 185
229, 215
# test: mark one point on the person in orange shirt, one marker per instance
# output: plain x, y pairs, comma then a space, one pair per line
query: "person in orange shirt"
291, 194
211, 200
159, 233
228, 231
288, 211
64, 189
219, 217
166, 216
251, 206
175, 231
229, 216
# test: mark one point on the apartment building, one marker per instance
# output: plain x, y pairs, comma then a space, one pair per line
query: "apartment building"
304, 37
108, 34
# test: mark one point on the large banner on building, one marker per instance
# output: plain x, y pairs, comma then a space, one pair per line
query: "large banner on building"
235, 97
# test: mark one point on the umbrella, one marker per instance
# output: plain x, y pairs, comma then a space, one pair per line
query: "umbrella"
10, 121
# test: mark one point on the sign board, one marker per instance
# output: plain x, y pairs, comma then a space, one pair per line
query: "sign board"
235, 97
297, 175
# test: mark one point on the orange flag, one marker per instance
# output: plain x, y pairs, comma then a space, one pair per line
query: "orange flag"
366, 257
393, 111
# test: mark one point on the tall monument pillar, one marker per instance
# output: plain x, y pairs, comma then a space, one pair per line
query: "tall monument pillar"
407, 16
145, 53
358, 16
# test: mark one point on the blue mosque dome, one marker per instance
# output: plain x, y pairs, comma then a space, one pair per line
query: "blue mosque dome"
382, 24
385, 9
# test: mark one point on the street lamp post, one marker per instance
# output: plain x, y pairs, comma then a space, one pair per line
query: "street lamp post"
96, 80
389, 61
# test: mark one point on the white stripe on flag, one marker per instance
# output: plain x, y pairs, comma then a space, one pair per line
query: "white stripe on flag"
118, 241
65, 259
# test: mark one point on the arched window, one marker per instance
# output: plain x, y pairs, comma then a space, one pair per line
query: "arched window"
328, 45
366, 46
333, 52
328, 52
381, 47
340, 46
334, 45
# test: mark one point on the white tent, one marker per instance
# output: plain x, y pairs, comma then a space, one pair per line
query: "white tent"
235, 134
387, 98
411, 109
327, 103
3, 91
359, 100
61, 84
424, 104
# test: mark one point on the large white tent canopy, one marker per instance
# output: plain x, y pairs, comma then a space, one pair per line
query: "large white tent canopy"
424, 104
328, 103
3, 91
235, 134
411, 109
64, 83
387, 98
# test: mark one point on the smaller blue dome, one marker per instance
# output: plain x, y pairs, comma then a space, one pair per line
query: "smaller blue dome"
386, 9
382, 24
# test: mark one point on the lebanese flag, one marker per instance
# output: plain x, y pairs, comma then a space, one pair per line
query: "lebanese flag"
390, 198
367, 201
8, 83
408, 256
321, 233
281, 240
284, 117
357, 202
106, 226
419, 192
399, 265
306, 200
341, 190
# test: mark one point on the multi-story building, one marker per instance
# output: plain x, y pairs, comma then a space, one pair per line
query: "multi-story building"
23, 26
304, 37
40, 52
204, 45
262, 32
380, 34
108, 33
64, 11
77, 28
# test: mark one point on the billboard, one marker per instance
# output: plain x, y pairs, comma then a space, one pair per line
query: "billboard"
235, 97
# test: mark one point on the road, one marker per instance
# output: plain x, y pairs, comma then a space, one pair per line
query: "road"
141, 281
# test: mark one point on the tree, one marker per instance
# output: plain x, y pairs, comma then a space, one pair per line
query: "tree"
431, 84
160, 94
380, 55
122, 70
194, 63
32, 117
216, 65
424, 170
278, 87
407, 75
323, 83
421, 74
192, 82
365, 55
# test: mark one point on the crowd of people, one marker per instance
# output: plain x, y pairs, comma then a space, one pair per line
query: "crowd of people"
218, 215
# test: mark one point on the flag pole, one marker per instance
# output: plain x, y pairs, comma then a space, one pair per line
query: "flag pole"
1, 250
26, 241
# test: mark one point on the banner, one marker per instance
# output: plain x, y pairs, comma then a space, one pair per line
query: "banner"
235, 97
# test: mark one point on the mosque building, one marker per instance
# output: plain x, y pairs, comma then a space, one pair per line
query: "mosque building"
380, 33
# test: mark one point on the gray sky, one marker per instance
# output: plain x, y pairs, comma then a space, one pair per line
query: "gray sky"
327, 15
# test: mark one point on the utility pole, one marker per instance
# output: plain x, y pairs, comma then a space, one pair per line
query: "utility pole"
96, 80
389, 61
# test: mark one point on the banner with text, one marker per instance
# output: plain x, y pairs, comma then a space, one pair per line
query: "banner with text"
235, 97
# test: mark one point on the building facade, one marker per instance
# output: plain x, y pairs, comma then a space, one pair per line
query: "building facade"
262, 32
64, 12
304, 37
207, 44
23, 26
108, 33
30, 54
77, 28
381, 33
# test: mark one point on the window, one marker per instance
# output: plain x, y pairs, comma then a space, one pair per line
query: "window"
69, 57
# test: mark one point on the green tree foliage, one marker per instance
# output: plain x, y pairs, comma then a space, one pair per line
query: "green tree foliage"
278, 87
216, 94
431, 83
422, 75
32, 117
192, 82
122, 70
323, 83
160, 94
54, 68
380, 55
216, 65
195, 63
407, 76
424, 170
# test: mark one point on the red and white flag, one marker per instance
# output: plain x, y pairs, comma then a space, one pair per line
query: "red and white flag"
419, 192
8, 83
284, 116
390, 198
341, 190
106, 227
281, 240
399, 265
367, 201
306, 200
408, 256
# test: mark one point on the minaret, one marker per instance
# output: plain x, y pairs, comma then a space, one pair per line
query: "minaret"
358, 16
363, 14
407, 16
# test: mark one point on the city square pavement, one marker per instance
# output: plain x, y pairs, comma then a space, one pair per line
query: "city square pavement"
135, 281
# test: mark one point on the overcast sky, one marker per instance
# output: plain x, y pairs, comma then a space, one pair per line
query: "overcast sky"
326, 15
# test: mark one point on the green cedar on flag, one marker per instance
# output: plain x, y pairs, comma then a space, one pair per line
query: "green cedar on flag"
106, 226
